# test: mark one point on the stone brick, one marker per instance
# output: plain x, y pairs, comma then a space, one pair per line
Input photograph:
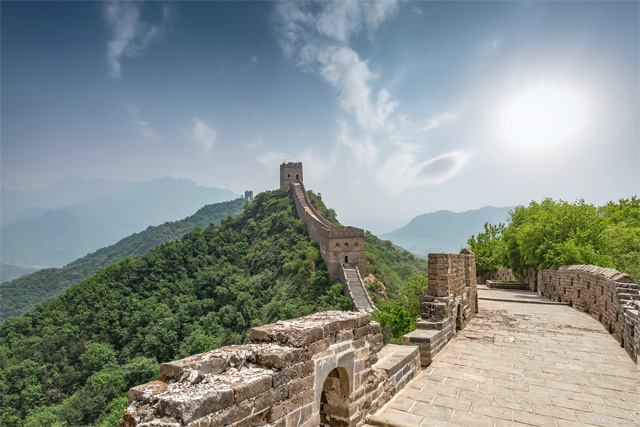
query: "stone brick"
300, 385
251, 387
196, 403
271, 397
147, 392
278, 357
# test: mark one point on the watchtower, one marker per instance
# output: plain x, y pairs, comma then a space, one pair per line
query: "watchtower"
290, 172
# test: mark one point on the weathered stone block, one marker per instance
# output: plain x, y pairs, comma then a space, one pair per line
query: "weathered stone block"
147, 392
250, 387
205, 363
271, 397
196, 401
278, 357
300, 385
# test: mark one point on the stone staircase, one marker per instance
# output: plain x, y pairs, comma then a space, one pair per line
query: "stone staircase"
355, 287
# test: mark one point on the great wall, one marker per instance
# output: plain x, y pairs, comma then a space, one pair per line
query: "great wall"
463, 365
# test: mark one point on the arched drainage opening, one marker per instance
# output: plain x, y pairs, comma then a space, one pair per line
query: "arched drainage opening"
334, 401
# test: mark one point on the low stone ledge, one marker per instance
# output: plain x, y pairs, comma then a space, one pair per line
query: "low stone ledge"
429, 325
429, 342
393, 358
305, 330
218, 361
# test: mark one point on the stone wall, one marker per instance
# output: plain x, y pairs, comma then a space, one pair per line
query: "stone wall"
323, 368
337, 244
448, 305
608, 295
503, 274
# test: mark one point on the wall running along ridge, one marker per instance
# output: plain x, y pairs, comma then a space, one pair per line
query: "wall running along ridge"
326, 368
340, 247
448, 305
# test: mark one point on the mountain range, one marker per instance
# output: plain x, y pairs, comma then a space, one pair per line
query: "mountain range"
444, 231
56, 225
24, 293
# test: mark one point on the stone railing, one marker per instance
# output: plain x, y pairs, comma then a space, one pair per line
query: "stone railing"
608, 295
326, 368
504, 274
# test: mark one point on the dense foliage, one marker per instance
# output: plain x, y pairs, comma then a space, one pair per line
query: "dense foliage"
550, 234
403, 277
23, 294
398, 315
71, 361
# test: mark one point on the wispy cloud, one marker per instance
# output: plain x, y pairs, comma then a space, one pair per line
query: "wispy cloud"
202, 134
363, 150
403, 171
314, 36
129, 36
488, 48
256, 143
437, 121
272, 159
143, 127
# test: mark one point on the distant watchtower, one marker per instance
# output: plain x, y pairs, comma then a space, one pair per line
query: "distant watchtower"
290, 172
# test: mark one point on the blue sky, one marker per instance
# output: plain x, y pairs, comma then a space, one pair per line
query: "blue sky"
395, 108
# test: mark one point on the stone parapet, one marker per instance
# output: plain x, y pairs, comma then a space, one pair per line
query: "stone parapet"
608, 295
448, 305
324, 368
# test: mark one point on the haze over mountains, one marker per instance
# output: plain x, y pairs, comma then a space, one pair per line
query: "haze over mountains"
445, 231
53, 226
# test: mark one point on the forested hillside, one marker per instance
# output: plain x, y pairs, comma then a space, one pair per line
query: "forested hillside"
550, 234
71, 361
23, 294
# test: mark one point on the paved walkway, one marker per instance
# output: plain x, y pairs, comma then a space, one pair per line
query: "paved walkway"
522, 364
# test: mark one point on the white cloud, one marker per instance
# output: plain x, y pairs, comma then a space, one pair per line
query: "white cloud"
403, 171
315, 35
129, 36
254, 59
437, 121
256, 143
488, 48
416, 10
272, 159
202, 134
364, 151
143, 127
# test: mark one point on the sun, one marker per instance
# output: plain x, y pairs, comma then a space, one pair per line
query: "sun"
542, 116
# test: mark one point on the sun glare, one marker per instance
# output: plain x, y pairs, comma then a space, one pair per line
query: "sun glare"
541, 116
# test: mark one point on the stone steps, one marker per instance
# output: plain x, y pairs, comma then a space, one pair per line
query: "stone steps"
357, 290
